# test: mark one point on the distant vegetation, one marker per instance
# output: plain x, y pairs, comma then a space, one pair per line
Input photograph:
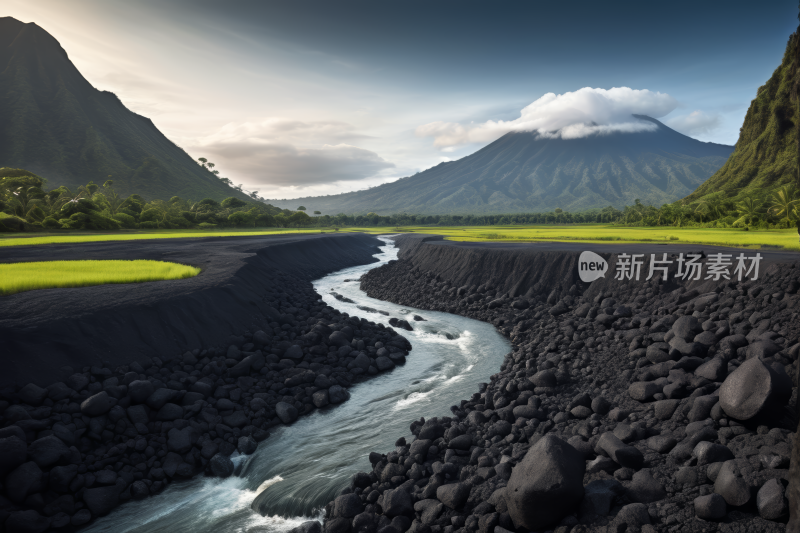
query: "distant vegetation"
26, 205
19, 277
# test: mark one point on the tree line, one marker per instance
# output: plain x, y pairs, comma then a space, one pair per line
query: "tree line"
26, 205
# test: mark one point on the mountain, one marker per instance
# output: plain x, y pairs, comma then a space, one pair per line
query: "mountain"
765, 157
55, 124
523, 172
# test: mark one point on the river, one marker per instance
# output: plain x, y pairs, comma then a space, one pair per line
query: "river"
301, 467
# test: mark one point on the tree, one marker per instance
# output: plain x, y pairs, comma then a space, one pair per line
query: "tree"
114, 200
317, 212
203, 161
210, 165
301, 208
749, 209
783, 203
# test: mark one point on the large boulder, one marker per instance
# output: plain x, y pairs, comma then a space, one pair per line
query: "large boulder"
286, 412
347, 506
221, 466
47, 451
453, 495
731, 485
751, 388
101, 500
546, 485
13, 452
397, 502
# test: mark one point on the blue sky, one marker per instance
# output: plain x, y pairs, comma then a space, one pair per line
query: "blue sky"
303, 98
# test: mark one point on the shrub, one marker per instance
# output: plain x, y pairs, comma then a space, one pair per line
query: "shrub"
91, 220
180, 222
265, 220
150, 215
12, 223
233, 203
129, 212
51, 223
125, 220
210, 203
148, 224
84, 205
241, 218
188, 215
206, 225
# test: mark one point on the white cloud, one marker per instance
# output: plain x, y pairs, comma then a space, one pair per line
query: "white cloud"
571, 115
696, 123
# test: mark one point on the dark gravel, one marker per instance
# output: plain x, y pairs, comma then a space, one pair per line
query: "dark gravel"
638, 380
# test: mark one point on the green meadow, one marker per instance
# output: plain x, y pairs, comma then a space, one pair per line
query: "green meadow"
20, 277
589, 233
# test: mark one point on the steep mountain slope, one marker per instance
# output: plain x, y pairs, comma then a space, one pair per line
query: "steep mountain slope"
766, 152
522, 172
54, 123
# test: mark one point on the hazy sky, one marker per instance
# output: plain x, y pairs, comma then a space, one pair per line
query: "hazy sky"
297, 98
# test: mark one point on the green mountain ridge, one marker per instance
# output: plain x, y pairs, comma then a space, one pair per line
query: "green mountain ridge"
524, 173
765, 157
54, 123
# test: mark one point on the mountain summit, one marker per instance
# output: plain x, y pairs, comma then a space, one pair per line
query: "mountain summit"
55, 123
525, 172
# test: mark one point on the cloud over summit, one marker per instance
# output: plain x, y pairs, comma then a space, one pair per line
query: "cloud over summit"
572, 115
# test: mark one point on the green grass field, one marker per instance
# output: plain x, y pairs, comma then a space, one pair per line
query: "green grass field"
20, 277
589, 233
606, 233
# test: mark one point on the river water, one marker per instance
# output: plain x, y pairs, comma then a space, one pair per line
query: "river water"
300, 468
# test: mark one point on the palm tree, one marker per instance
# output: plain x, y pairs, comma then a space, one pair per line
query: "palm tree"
114, 200
748, 209
783, 203
25, 199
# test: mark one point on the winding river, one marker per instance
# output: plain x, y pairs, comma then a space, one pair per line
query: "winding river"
300, 468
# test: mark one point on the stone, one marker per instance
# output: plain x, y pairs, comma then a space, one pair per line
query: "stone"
320, 399
714, 370
544, 378
97, 405
710, 507
770, 500
221, 466
47, 451
748, 390
169, 412
701, 408
644, 488
599, 496
633, 515
101, 500
546, 485
347, 506
181, 440
28, 521
624, 455
730, 484
139, 391
707, 453
13, 452
22, 481
32, 394
453, 495
643, 390
286, 412
397, 502
336, 394
664, 409
661, 443
600, 405
294, 352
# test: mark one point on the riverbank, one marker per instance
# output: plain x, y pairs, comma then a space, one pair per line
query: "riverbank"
628, 395
168, 380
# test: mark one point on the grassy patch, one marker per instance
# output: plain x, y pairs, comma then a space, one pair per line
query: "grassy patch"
71, 238
604, 233
20, 277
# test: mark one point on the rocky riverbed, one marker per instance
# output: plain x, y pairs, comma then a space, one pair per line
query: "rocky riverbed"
75, 449
657, 405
